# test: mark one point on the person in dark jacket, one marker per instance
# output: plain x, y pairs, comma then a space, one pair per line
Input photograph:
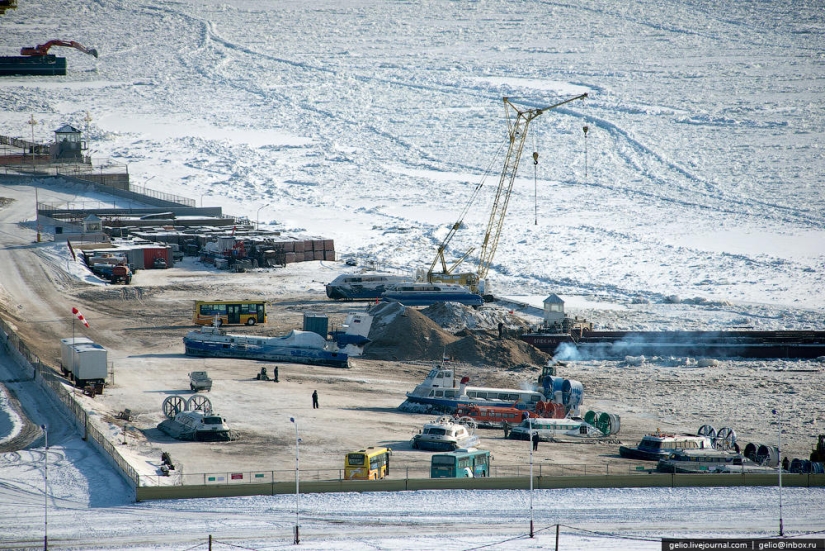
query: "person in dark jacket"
535, 440
314, 399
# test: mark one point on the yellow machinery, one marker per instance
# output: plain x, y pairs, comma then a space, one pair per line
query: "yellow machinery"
518, 121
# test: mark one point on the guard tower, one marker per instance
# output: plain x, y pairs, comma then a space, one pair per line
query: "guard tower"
553, 311
92, 224
68, 145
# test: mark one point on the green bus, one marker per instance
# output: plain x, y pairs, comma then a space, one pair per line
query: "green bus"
461, 464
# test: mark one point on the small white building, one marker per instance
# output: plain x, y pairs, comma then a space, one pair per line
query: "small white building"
553, 310
92, 224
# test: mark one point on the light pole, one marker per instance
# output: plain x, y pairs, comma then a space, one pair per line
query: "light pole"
36, 214
530, 424
33, 123
297, 539
779, 458
257, 216
45, 489
88, 119
535, 186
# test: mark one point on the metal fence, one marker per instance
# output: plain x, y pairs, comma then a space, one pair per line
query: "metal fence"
106, 173
52, 382
397, 472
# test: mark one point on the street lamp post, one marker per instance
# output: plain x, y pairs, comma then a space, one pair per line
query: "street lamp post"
37, 214
33, 123
257, 216
88, 119
297, 539
779, 458
530, 424
45, 489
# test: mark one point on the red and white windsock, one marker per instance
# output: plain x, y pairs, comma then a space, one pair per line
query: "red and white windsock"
77, 313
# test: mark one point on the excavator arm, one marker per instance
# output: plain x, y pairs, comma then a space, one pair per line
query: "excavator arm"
43, 49
517, 122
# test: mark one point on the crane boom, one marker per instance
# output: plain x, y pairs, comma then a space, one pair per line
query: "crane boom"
517, 123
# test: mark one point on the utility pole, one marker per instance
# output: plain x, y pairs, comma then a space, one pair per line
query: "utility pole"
532, 436
297, 539
45, 488
87, 119
36, 214
585, 129
779, 458
33, 123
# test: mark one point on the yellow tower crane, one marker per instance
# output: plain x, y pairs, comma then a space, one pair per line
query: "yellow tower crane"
518, 120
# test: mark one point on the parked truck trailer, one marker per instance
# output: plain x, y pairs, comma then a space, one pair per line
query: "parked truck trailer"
83, 361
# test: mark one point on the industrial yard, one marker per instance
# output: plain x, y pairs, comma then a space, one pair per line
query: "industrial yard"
142, 326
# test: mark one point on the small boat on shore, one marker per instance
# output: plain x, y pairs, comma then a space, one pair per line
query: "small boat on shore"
303, 347
425, 294
660, 445
699, 461
362, 286
445, 434
551, 429
439, 391
198, 426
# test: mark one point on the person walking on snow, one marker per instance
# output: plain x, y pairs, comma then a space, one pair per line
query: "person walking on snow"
314, 399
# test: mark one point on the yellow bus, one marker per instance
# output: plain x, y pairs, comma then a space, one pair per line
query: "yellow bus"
229, 312
368, 464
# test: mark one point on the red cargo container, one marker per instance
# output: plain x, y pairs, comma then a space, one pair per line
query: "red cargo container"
289, 258
151, 254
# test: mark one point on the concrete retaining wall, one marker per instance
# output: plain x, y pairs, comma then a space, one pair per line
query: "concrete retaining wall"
653, 480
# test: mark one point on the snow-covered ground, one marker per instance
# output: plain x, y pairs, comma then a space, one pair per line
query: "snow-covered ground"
695, 197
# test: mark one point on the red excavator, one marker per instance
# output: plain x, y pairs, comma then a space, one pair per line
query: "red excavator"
43, 49
38, 60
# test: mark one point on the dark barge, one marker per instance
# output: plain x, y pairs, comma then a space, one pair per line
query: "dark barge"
715, 344
47, 65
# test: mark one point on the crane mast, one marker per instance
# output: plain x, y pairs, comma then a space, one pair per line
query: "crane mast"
518, 121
